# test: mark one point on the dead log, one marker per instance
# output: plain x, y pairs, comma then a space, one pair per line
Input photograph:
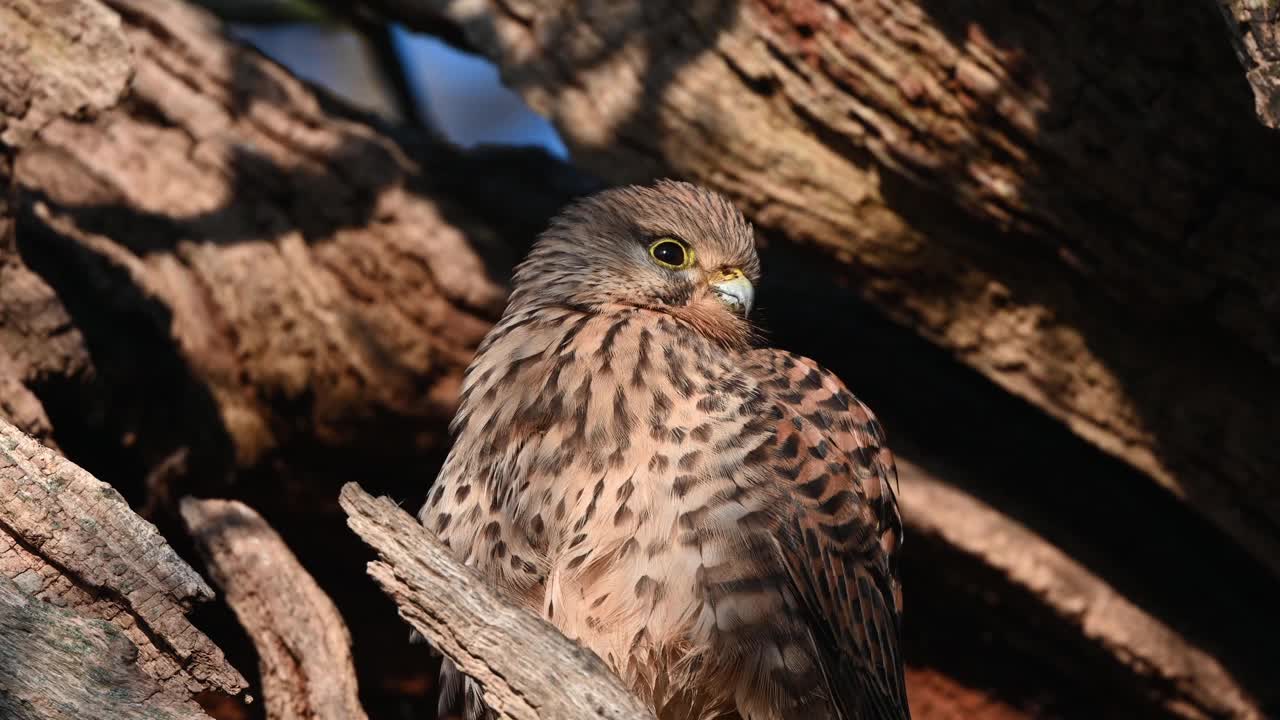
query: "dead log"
527, 668
304, 648
58, 664
1254, 26
1071, 201
71, 541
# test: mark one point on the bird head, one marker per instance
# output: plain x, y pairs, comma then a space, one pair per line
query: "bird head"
671, 247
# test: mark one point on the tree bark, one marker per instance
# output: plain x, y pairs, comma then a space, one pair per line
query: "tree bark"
526, 667
69, 59
1071, 202
304, 648
288, 276
73, 667
72, 542
61, 58
1255, 31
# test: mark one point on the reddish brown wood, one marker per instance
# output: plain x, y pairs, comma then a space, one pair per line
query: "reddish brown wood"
71, 541
304, 648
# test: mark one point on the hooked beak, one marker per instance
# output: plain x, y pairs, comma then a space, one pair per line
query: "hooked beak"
734, 290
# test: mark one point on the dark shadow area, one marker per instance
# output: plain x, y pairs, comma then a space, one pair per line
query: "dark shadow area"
1154, 185
142, 404
1145, 543
951, 623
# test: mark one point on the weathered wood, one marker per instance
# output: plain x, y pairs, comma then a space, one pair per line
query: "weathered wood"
296, 279
528, 669
56, 665
1072, 199
1255, 31
1152, 659
304, 648
64, 58
37, 342
17, 404
57, 57
72, 541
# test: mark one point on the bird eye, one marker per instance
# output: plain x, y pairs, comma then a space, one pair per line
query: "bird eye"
671, 253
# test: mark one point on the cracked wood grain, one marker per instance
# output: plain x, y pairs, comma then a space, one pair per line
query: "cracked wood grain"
1254, 26
72, 541
304, 647
57, 665
528, 669
57, 57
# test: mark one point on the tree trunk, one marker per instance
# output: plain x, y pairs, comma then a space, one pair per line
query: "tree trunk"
233, 285
268, 276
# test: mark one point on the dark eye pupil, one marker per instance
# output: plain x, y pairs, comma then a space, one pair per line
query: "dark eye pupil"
669, 252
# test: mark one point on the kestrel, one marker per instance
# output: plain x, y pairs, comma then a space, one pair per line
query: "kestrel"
715, 521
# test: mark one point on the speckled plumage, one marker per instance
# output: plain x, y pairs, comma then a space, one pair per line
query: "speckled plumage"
715, 521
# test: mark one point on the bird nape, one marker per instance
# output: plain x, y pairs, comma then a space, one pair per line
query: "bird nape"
714, 519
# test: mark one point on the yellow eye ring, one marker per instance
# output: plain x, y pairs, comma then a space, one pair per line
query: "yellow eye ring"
671, 253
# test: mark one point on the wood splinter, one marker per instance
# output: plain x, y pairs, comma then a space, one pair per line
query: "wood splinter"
304, 648
527, 668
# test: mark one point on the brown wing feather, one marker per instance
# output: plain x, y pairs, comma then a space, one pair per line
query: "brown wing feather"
841, 539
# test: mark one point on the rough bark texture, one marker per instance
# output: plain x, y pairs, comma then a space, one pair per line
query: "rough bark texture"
60, 666
38, 342
304, 648
73, 542
1072, 200
65, 58
282, 307
1255, 31
288, 271
57, 57
529, 671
